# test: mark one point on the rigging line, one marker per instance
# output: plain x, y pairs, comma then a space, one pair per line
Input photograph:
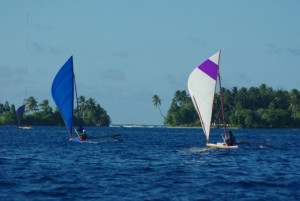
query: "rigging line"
217, 116
222, 104
221, 95
229, 105
27, 49
85, 88
225, 83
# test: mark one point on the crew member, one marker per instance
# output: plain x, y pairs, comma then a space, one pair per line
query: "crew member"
230, 139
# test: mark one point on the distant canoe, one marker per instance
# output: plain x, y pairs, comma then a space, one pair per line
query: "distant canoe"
265, 147
25, 127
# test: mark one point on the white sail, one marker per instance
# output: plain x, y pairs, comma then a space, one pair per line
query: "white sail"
202, 85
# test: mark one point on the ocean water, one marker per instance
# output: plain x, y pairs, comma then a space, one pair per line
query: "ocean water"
149, 164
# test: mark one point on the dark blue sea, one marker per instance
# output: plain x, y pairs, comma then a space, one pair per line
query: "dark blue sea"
149, 164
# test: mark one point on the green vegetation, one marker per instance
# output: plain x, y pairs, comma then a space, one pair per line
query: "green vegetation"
256, 107
91, 114
157, 102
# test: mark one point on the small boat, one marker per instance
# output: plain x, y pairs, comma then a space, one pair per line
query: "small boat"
21, 109
265, 146
221, 145
202, 86
62, 91
20, 112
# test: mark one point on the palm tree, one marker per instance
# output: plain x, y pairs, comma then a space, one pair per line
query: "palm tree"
31, 104
294, 100
82, 105
253, 95
282, 99
263, 96
242, 97
294, 97
6, 106
90, 105
180, 97
184, 97
45, 106
157, 102
1, 108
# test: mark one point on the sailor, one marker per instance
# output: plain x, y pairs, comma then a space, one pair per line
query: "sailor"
230, 139
83, 135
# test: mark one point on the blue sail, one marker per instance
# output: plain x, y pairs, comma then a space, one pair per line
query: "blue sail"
20, 112
63, 92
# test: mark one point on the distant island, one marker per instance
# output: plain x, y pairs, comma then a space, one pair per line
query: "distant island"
256, 107
42, 114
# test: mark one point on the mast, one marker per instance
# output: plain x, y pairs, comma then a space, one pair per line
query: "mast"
27, 49
221, 96
76, 98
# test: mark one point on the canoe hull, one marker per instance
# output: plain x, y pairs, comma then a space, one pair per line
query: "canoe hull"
76, 139
25, 127
221, 145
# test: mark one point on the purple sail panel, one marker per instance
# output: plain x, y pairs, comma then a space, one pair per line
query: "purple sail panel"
209, 68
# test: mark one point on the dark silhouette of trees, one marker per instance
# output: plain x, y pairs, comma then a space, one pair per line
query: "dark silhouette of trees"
256, 107
91, 112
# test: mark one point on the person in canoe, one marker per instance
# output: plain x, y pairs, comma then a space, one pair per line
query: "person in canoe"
81, 132
83, 136
230, 139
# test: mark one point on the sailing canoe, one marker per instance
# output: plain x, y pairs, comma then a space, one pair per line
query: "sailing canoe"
20, 112
202, 86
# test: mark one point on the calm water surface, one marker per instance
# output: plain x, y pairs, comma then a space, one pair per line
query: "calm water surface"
149, 164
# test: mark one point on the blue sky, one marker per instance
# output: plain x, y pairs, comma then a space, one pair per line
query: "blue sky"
127, 51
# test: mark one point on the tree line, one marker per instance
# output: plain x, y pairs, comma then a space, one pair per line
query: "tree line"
256, 107
91, 114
